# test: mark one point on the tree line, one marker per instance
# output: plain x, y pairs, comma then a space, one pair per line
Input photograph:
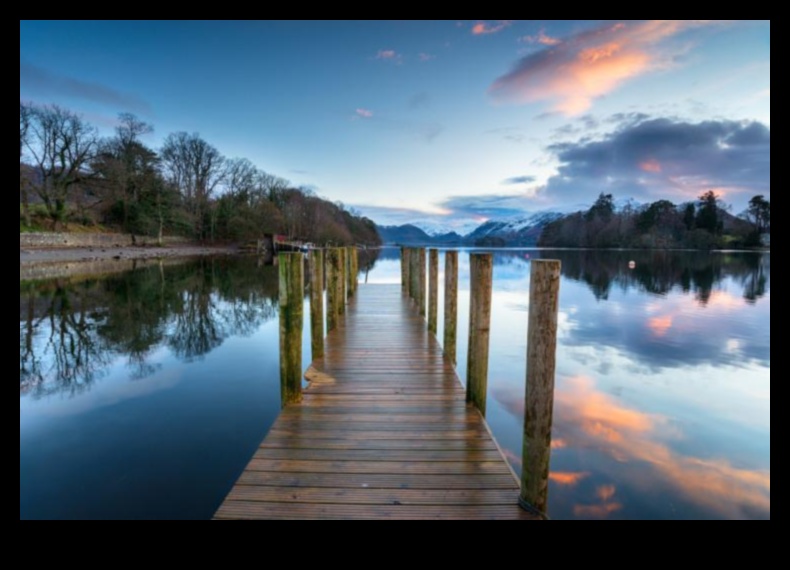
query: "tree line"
703, 224
68, 173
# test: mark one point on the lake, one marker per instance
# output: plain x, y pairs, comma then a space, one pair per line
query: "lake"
143, 394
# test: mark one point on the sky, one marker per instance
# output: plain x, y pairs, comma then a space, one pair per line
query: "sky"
450, 123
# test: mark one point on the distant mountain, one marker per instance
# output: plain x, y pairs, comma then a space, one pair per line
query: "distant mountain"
406, 234
524, 230
520, 231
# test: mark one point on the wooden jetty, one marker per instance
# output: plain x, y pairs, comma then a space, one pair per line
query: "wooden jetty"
385, 429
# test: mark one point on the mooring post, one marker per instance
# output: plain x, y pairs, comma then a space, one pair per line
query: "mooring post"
316, 303
332, 288
341, 282
349, 271
450, 303
481, 268
291, 314
355, 268
404, 269
414, 272
421, 289
433, 289
544, 289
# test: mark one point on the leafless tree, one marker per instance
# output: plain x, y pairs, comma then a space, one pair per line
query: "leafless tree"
196, 168
61, 144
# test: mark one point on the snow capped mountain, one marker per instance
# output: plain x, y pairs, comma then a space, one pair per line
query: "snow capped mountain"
521, 230
434, 229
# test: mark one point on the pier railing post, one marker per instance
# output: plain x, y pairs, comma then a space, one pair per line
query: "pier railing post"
333, 288
544, 291
414, 273
450, 304
291, 267
404, 269
354, 269
316, 303
481, 273
433, 289
350, 271
421, 288
341, 282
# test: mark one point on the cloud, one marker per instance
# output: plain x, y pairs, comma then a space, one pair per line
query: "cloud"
541, 38
389, 55
651, 159
572, 72
483, 27
489, 206
422, 56
50, 83
363, 113
594, 420
568, 479
519, 180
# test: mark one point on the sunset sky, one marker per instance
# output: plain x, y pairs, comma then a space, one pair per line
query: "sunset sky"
452, 121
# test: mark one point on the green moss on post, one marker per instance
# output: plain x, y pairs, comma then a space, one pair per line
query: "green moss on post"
481, 267
450, 304
544, 289
333, 288
433, 290
291, 318
316, 303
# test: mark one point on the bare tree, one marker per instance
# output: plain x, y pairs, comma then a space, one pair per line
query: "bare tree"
61, 144
24, 182
196, 168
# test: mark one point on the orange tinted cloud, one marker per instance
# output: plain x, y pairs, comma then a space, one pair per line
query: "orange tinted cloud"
482, 27
567, 478
596, 511
541, 38
571, 73
660, 325
650, 165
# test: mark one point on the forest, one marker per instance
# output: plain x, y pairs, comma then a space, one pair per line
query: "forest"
702, 224
71, 177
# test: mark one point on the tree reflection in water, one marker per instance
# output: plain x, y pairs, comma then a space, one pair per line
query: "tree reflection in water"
71, 329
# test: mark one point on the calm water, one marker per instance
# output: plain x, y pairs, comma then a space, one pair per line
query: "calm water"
143, 395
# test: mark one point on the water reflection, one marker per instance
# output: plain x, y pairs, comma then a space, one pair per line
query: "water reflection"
72, 330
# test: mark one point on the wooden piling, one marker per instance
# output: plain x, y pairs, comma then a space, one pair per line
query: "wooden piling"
316, 303
341, 282
333, 289
354, 269
421, 296
433, 289
349, 272
291, 267
544, 291
481, 268
450, 304
404, 269
414, 273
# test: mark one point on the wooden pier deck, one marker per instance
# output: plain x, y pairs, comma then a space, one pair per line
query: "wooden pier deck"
383, 432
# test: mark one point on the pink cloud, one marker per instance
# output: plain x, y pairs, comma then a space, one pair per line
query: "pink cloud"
426, 56
650, 165
541, 38
388, 55
363, 113
572, 72
483, 28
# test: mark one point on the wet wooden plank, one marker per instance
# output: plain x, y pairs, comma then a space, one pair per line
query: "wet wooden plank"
383, 432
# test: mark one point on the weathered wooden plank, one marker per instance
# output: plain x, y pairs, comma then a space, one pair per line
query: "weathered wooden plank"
383, 430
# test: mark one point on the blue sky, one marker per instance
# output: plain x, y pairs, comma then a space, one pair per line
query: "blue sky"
452, 122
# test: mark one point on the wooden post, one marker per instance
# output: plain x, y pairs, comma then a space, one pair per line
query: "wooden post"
544, 289
350, 271
450, 303
332, 288
316, 303
291, 313
481, 267
404, 269
414, 273
421, 288
433, 289
354, 269
341, 282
